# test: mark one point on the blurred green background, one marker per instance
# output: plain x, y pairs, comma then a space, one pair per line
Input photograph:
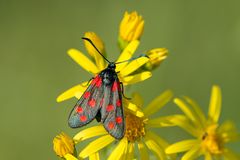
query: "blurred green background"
202, 37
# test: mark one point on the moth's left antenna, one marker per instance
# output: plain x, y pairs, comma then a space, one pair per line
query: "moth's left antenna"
89, 40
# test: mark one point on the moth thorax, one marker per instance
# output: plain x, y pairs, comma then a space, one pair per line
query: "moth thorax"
108, 76
112, 66
135, 127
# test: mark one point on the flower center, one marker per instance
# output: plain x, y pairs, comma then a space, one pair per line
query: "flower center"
134, 127
211, 141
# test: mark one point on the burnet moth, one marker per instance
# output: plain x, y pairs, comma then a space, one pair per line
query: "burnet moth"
101, 100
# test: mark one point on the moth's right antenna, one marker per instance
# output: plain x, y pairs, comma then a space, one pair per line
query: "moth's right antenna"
89, 40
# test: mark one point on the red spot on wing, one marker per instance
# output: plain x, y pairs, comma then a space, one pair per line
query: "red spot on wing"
79, 109
95, 80
98, 83
119, 119
115, 86
87, 95
83, 118
111, 125
92, 103
119, 103
110, 107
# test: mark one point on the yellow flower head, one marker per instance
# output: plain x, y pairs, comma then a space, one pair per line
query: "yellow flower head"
131, 28
63, 145
156, 56
210, 136
138, 132
211, 141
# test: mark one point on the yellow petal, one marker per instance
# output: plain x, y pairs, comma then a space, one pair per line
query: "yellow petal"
123, 24
208, 156
137, 99
78, 95
139, 30
192, 153
153, 146
215, 104
137, 113
197, 109
181, 146
136, 78
117, 153
70, 157
100, 62
96, 145
183, 122
163, 121
127, 54
94, 156
228, 132
230, 155
188, 112
130, 28
83, 61
158, 103
89, 133
133, 66
226, 127
124, 20
131, 107
72, 92
143, 151
125, 152
130, 155
161, 142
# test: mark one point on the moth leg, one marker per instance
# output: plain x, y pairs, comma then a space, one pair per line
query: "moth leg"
88, 82
123, 92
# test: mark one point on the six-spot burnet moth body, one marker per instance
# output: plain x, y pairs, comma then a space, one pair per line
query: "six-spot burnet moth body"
101, 100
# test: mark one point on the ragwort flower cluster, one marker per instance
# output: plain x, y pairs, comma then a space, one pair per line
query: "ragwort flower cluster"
210, 137
140, 140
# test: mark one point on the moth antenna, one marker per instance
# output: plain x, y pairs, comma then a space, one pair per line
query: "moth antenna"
89, 40
142, 55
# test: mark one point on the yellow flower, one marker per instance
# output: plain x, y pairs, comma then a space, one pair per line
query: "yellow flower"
156, 56
138, 132
63, 145
210, 137
131, 28
125, 70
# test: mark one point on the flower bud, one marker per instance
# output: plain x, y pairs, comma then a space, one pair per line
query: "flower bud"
156, 56
131, 28
62, 145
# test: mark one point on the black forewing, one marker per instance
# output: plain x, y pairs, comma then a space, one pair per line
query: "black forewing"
112, 111
88, 105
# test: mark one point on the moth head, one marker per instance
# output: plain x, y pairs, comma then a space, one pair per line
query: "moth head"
112, 65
